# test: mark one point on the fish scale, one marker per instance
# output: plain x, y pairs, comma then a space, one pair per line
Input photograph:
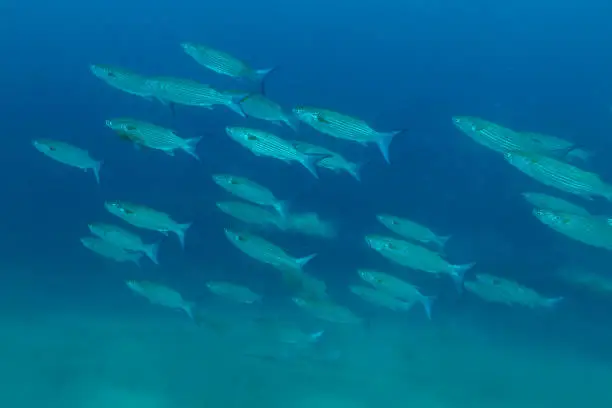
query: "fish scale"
188, 92
345, 127
559, 175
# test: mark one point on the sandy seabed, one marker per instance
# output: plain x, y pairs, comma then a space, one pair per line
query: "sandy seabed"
71, 361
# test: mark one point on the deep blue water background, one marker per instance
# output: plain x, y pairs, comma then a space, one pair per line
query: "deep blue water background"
542, 66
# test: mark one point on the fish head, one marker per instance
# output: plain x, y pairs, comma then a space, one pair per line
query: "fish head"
189, 48
97, 227
225, 179
118, 208
521, 159
234, 236
468, 123
388, 221
87, 242
103, 71
375, 242
550, 217
306, 114
243, 136
365, 275
44, 145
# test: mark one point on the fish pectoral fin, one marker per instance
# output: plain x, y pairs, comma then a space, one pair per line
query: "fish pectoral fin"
169, 152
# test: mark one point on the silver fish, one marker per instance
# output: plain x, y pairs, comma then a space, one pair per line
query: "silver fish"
345, 127
147, 218
397, 288
266, 252
326, 310
123, 79
68, 154
161, 295
380, 298
417, 257
499, 290
256, 105
192, 93
237, 293
124, 239
250, 191
152, 136
553, 203
266, 144
108, 250
223, 63
334, 162
412, 230
251, 214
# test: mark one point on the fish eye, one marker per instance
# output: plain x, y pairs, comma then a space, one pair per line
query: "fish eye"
391, 246
130, 127
112, 75
251, 137
394, 222
233, 181
240, 238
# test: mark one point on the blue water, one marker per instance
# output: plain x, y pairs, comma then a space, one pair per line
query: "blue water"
542, 66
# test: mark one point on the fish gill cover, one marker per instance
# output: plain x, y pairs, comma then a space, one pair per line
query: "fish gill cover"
273, 191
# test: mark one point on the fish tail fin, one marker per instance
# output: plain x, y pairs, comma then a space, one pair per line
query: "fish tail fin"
355, 171
260, 76
316, 336
96, 170
552, 303
427, 301
304, 260
188, 308
384, 141
310, 161
281, 208
235, 100
441, 241
151, 251
190, 146
292, 122
458, 274
180, 232
136, 260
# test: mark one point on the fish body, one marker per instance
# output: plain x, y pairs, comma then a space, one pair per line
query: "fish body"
412, 230
110, 251
416, 257
266, 144
396, 287
237, 293
257, 105
560, 175
553, 203
251, 214
124, 239
326, 310
147, 218
155, 137
499, 290
123, 79
557, 147
191, 93
380, 298
493, 136
266, 252
334, 161
223, 63
68, 154
250, 191
345, 127
161, 295
590, 230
